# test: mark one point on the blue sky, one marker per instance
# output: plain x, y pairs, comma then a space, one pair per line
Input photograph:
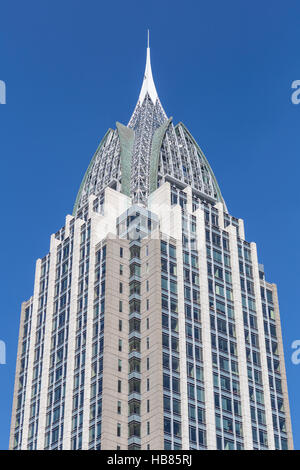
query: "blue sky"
72, 68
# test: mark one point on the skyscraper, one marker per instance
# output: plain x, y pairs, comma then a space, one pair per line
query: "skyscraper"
151, 325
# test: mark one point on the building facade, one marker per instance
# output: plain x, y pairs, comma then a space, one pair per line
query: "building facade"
151, 324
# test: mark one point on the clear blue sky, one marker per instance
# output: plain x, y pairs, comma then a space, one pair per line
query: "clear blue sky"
72, 68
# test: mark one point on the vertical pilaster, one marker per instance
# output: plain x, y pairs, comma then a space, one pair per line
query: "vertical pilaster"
71, 336
47, 344
89, 330
240, 336
262, 346
151, 327
17, 375
31, 355
189, 197
206, 333
111, 351
241, 229
282, 370
220, 208
182, 335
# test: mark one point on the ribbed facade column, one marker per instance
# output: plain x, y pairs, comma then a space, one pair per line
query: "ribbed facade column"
152, 410
35, 301
17, 375
47, 345
71, 336
262, 346
113, 350
240, 336
282, 369
182, 333
206, 333
89, 328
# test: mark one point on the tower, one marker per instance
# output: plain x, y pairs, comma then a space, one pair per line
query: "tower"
151, 324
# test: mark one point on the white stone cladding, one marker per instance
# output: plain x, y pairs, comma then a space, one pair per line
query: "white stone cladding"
182, 337
103, 230
153, 356
206, 334
240, 334
31, 356
72, 335
282, 366
47, 347
262, 344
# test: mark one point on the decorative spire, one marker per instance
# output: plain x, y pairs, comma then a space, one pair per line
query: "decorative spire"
130, 160
148, 83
